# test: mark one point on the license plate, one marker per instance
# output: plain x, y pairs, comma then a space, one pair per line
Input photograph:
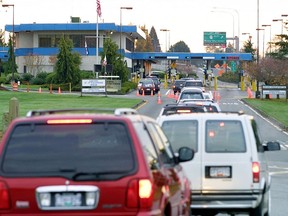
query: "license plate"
68, 199
220, 172
148, 89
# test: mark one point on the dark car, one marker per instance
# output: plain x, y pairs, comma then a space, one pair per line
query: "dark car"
178, 85
66, 163
156, 82
146, 86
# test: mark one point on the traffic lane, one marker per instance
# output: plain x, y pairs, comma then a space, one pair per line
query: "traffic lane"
153, 104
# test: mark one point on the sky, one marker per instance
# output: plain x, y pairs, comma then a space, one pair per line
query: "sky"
186, 20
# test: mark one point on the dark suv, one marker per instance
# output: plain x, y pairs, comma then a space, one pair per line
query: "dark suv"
91, 164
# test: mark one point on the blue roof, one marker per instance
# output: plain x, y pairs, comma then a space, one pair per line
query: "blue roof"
69, 27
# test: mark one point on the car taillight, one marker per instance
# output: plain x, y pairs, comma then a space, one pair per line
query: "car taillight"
140, 194
4, 196
256, 172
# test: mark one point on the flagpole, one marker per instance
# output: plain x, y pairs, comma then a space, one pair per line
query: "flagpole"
97, 45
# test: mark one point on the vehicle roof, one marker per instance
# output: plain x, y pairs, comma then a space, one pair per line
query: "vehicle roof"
207, 116
191, 89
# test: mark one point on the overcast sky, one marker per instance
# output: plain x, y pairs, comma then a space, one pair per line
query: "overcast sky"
187, 20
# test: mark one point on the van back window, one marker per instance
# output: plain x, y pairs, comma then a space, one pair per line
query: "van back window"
224, 137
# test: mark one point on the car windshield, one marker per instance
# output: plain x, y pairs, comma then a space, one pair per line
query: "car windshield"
99, 147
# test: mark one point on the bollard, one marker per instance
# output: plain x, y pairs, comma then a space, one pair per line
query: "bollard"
14, 108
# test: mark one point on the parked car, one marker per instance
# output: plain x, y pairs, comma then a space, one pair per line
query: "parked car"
229, 173
178, 85
195, 83
190, 93
91, 164
157, 82
146, 86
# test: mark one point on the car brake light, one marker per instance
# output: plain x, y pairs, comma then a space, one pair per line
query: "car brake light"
140, 194
256, 172
4, 196
183, 111
69, 121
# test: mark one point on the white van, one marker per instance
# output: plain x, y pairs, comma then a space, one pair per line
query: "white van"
229, 171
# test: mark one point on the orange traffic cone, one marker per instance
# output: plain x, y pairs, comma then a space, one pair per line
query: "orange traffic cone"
143, 92
218, 97
159, 99
59, 90
40, 90
249, 92
170, 94
151, 93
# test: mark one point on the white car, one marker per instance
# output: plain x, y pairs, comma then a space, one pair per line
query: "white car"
229, 171
191, 93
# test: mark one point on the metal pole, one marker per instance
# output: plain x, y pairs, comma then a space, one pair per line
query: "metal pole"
257, 91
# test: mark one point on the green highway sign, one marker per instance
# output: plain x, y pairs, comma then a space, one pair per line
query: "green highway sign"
214, 38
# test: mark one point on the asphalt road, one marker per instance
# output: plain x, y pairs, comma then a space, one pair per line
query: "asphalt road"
230, 100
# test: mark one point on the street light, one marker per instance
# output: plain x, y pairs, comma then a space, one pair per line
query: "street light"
222, 11
270, 37
238, 19
122, 8
281, 20
166, 30
13, 41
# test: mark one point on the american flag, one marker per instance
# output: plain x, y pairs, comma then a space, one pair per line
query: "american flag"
99, 8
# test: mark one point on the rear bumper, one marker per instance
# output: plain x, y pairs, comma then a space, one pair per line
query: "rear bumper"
226, 200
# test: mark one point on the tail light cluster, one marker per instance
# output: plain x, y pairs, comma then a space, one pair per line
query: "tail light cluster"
140, 194
4, 196
256, 172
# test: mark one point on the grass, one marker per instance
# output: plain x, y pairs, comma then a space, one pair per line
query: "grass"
275, 108
34, 101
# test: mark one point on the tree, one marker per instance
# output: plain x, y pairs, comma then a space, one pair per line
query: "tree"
155, 40
248, 48
144, 45
281, 47
2, 39
119, 67
68, 63
180, 46
10, 66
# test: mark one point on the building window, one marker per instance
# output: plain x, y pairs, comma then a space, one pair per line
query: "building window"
45, 41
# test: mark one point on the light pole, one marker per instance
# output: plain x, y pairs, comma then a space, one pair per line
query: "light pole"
13, 43
261, 29
270, 37
238, 19
166, 30
257, 94
122, 8
222, 11
281, 20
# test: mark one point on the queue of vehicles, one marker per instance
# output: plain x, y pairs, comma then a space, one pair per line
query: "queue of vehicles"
193, 159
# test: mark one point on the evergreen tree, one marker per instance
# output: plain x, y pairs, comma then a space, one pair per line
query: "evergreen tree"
155, 40
10, 66
110, 50
248, 48
180, 46
68, 63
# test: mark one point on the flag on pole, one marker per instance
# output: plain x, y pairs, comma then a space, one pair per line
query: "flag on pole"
104, 62
99, 8
86, 48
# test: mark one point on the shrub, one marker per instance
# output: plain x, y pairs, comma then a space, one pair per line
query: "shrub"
229, 77
27, 77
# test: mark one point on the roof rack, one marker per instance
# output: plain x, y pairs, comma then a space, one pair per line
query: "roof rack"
117, 111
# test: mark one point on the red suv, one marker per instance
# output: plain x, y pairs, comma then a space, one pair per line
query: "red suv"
91, 164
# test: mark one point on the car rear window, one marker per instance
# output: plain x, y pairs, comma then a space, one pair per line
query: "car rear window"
191, 95
181, 133
224, 136
40, 148
197, 84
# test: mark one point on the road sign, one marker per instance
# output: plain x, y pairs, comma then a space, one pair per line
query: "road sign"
214, 38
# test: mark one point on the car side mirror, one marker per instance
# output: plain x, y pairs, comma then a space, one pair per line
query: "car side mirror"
272, 146
185, 154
